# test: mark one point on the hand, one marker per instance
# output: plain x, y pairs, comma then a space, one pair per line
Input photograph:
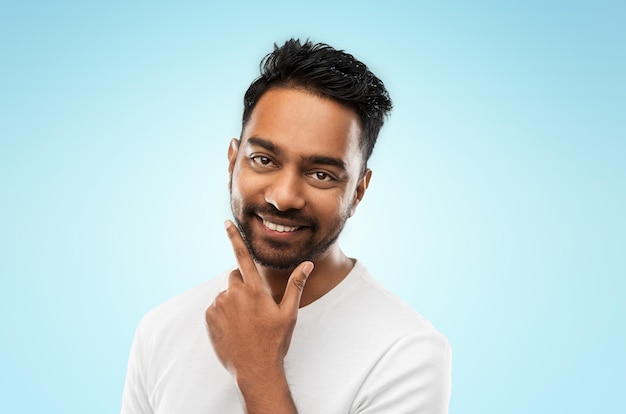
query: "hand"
249, 331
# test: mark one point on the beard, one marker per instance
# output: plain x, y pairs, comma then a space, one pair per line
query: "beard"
280, 255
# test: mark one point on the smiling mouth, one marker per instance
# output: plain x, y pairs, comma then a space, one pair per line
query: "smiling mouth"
279, 227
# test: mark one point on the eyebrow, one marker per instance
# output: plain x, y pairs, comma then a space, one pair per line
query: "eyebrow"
265, 144
331, 161
313, 159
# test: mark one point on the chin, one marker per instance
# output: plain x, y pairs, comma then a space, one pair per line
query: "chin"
277, 261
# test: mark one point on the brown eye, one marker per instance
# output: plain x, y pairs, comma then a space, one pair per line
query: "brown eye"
262, 161
322, 177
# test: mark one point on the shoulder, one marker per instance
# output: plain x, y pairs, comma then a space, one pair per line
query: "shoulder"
181, 311
385, 354
414, 334
414, 349
385, 309
369, 317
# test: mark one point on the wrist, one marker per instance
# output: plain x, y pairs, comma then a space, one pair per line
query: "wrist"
266, 392
252, 378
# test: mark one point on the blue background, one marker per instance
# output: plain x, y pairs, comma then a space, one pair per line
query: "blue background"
496, 207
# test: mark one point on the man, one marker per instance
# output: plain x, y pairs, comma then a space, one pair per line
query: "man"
297, 326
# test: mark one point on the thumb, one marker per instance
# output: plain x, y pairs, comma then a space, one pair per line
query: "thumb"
295, 286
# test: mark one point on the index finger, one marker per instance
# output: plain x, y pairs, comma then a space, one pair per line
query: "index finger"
242, 254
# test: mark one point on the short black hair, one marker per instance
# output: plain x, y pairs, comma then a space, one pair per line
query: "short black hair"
323, 70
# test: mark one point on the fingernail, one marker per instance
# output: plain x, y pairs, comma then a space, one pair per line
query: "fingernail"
307, 268
227, 224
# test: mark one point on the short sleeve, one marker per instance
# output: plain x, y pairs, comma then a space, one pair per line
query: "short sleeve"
412, 377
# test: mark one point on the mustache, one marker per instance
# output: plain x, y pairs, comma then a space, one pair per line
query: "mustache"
292, 214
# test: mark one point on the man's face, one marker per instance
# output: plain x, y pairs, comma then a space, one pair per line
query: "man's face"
295, 176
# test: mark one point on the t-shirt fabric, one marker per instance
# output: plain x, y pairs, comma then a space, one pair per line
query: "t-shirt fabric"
357, 349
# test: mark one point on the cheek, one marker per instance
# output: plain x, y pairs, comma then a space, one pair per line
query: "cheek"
235, 190
245, 187
333, 208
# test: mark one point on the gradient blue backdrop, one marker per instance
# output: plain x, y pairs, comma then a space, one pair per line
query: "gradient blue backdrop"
496, 207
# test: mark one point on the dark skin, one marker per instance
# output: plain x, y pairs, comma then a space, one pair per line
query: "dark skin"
251, 323
246, 324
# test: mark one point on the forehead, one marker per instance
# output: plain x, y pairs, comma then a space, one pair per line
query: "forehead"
299, 122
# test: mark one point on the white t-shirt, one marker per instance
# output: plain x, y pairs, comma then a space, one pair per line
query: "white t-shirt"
357, 349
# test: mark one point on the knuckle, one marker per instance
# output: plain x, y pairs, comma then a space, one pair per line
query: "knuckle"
210, 316
231, 231
235, 288
241, 251
219, 299
299, 283
235, 277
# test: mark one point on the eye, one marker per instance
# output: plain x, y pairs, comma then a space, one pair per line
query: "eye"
261, 161
322, 177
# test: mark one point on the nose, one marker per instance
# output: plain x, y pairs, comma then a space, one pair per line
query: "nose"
285, 191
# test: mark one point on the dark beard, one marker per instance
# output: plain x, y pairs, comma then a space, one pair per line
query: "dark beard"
279, 256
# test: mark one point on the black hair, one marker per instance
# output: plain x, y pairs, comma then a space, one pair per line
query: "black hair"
321, 69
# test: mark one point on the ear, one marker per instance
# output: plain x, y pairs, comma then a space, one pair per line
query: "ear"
233, 148
361, 186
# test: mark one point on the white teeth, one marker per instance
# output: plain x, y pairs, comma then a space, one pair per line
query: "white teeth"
279, 228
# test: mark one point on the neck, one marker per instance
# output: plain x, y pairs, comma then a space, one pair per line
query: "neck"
330, 269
